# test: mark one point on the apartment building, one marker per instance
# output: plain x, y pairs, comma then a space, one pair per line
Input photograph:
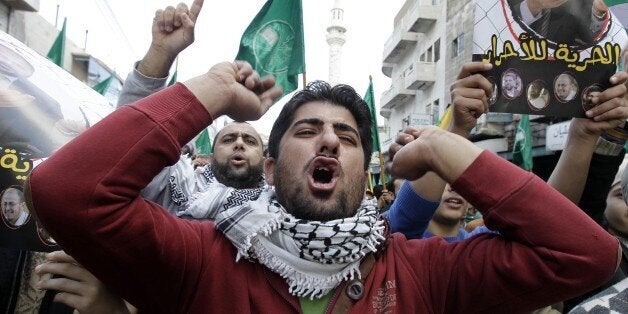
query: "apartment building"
19, 18
430, 42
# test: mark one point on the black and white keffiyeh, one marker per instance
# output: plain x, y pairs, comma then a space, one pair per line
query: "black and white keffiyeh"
313, 257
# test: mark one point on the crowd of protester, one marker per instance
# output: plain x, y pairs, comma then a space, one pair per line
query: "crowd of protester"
148, 226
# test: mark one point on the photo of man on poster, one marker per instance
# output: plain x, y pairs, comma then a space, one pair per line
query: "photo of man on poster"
566, 87
538, 96
511, 84
574, 22
14, 211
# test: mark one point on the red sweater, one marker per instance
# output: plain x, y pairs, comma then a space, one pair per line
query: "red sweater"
87, 196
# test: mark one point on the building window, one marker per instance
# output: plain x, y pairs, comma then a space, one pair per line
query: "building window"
422, 58
429, 54
435, 108
437, 50
458, 45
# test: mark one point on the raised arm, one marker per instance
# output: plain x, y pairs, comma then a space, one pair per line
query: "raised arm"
538, 258
87, 194
418, 199
172, 31
570, 175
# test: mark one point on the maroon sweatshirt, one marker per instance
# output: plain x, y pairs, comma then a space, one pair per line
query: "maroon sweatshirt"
87, 196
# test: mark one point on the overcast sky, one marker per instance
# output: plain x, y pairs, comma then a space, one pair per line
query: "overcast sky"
219, 28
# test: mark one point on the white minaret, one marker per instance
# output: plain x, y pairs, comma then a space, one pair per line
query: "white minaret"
335, 39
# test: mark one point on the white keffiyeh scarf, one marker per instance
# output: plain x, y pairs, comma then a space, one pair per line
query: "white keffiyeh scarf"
313, 257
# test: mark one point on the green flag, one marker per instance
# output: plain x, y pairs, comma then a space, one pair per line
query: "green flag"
103, 86
369, 98
204, 143
612, 3
436, 121
273, 43
173, 79
522, 148
57, 51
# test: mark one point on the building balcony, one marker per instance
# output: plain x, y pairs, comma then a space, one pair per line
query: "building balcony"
396, 95
387, 68
422, 16
398, 44
385, 113
420, 75
23, 5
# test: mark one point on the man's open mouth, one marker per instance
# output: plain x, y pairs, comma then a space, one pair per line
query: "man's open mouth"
237, 160
323, 174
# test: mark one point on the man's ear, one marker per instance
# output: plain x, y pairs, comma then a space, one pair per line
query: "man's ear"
269, 170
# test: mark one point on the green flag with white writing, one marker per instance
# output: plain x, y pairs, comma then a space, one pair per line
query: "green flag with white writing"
522, 148
57, 51
369, 98
273, 43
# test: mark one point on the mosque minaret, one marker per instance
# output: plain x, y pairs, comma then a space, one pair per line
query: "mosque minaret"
335, 39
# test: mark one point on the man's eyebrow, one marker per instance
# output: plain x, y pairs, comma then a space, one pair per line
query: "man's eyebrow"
249, 136
313, 121
337, 125
228, 134
236, 134
345, 127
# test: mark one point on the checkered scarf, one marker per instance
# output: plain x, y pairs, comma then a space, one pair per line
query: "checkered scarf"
313, 257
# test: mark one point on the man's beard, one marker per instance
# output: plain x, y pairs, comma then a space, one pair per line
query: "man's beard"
248, 179
290, 194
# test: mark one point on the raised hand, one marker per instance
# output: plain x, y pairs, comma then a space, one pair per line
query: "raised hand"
236, 90
444, 153
173, 28
415, 157
403, 138
469, 96
173, 31
611, 110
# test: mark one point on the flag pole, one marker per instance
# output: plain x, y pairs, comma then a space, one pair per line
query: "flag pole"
370, 181
304, 81
382, 172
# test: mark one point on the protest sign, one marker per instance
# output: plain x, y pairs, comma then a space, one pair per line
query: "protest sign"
41, 108
549, 57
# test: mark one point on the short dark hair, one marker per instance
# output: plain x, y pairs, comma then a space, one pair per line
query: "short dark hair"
259, 137
339, 95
